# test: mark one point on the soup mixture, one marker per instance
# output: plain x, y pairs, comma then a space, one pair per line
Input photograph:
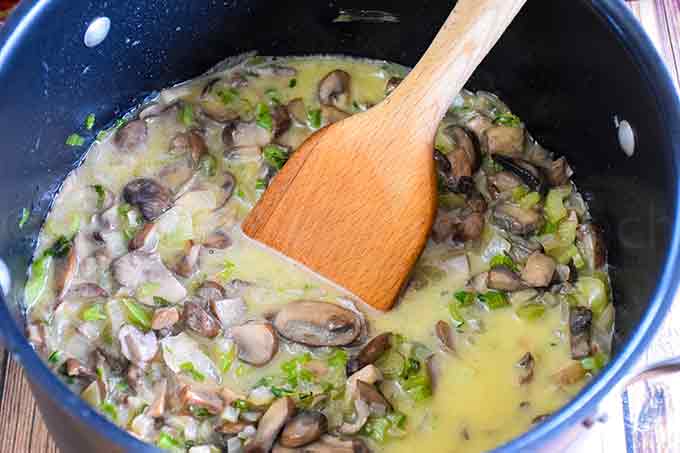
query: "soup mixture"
147, 300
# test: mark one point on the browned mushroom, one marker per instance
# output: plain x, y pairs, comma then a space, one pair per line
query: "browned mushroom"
131, 136
199, 320
303, 429
471, 227
270, 425
66, 270
136, 346
329, 444
187, 263
559, 172
157, 407
190, 397
591, 244
280, 120
465, 156
87, 291
191, 142
371, 352
164, 317
529, 174
331, 114
256, 341
539, 270
504, 279
526, 368
392, 83
516, 219
377, 403
445, 335
369, 374
230, 312
217, 240
138, 268
134, 377
580, 321
298, 111
151, 198
75, 368
210, 291
36, 333
479, 124
334, 88
232, 428
503, 181
146, 239
361, 414
317, 323
505, 140
238, 134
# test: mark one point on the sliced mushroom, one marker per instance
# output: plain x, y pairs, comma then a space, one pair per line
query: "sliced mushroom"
371, 352
471, 227
529, 174
392, 84
191, 142
230, 312
232, 428
298, 111
503, 278
369, 374
280, 120
445, 335
256, 341
334, 88
521, 248
87, 291
66, 270
210, 291
186, 266
504, 181
217, 240
75, 368
361, 414
317, 323
237, 134
580, 322
270, 425
377, 403
146, 239
190, 397
151, 198
526, 368
328, 444
539, 270
164, 318
134, 377
591, 244
136, 346
331, 114
505, 140
215, 110
516, 219
559, 172
479, 125
157, 407
303, 429
138, 268
199, 320
131, 136
465, 156
178, 174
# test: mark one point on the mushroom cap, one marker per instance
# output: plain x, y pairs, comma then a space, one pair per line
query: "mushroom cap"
303, 429
150, 197
256, 341
317, 323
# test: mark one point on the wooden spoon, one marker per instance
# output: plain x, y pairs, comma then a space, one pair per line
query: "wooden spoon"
356, 201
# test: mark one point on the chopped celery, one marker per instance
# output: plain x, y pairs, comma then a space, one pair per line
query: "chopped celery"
109, 410
186, 115
190, 369
101, 195
554, 204
314, 118
391, 364
94, 313
417, 385
167, 442
507, 119
37, 282
456, 315
338, 359
227, 271
503, 260
595, 363
292, 83
25, 213
241, 404
376, 428
592, 293
263, 117
465, 298
75, 140
54, 357
494, 300
273, 94
518, 193
228, 95
208, 165
275, 155
451, 200
564, 255
227, 359
89, 121
531, 312
530, 200
137, 314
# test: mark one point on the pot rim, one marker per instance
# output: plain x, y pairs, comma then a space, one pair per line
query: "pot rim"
633, 38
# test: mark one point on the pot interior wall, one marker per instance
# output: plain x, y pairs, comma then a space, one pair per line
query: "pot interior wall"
558, 67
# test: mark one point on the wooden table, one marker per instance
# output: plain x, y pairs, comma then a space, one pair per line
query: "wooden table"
645, 419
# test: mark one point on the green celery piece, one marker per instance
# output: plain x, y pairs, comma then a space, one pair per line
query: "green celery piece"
186, 115
75, 140
314, 118
508, 119
167, 442
94, 313
89, 121
275, 155
37, 282
25, 214
531, 312
190, 369
263, 117
503, 260
138, 315
530, 200
494, 300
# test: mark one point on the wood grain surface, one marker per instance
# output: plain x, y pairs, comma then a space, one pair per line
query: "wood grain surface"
646, 419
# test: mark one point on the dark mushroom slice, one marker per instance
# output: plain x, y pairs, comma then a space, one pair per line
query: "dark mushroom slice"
479, 124
503, 278
157, 407
334, 88
146, 239
210, 291
328, 444
529, 174
297, 111
392, 83
66, 270
150, 197
191, 142
88, 291
526, 368
270, 425
540, 418
315, 323
559, 172
470, 227
199, 320
164, 318
137, 268
131, 136
371, 352
187, 264
516, 219
331, 114
580, 323
303, 429
75, 368
190, 397
465, 157
233, 428
136, 346
377, 403
505, 141
503, 181
539, 270
256, 341
445, 335
280, 120
217, 240
134, 377
590, 241
245, 134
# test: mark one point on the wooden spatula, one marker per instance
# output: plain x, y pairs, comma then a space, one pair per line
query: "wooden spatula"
356, 201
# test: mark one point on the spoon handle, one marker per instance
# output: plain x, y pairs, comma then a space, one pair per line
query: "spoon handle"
467, 36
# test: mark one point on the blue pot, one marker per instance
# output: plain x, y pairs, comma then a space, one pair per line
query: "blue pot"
568, 67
